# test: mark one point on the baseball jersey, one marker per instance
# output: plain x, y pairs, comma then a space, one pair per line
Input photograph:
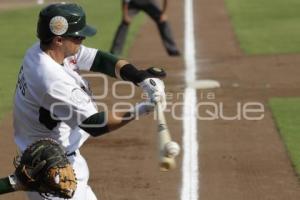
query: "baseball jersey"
51, 100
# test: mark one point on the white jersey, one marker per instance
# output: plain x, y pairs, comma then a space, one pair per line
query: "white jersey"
43, 86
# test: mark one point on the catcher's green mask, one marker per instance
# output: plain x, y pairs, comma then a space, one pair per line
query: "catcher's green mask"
63, 19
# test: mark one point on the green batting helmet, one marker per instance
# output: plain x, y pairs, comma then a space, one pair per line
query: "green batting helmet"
63, 19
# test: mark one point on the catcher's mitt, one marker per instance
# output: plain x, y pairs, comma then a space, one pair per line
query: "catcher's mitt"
44, 168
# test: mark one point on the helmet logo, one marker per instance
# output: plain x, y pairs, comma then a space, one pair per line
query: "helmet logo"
58, 25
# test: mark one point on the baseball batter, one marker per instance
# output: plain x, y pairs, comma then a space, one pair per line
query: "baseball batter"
130, 8
52, 100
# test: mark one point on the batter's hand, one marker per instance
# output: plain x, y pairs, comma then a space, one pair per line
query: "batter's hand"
143, 108
155, 88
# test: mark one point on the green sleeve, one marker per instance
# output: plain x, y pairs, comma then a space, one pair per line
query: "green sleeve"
104, 63
5, 186
95, 125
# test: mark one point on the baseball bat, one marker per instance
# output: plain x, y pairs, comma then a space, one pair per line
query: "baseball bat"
166, 163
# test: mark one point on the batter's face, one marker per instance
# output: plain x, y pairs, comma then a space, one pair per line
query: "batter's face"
71, 45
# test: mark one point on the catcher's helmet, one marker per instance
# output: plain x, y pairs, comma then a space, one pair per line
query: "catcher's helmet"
63, 19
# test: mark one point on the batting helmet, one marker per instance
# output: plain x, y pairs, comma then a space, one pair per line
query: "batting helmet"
63, 19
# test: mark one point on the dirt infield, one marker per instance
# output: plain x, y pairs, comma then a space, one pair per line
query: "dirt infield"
242, 159
239, 159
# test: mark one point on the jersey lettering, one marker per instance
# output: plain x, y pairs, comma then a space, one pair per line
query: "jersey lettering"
22, 85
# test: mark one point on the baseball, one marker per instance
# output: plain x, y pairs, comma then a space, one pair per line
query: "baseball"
172, 149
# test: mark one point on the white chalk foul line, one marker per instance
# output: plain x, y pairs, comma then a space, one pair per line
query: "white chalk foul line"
190, 144
190, 148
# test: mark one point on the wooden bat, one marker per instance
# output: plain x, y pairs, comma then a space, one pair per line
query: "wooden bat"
166, 161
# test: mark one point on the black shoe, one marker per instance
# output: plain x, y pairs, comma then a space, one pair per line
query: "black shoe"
174, 53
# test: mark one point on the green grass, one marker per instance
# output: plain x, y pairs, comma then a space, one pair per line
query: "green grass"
286, 112
266, 26
17, 33
18, 30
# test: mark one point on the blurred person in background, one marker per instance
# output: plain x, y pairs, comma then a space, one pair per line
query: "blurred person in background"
131, 8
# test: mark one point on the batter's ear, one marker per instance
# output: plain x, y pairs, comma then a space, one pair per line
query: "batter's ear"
57, 41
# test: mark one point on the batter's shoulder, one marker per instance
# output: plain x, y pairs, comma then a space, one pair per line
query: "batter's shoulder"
41, 70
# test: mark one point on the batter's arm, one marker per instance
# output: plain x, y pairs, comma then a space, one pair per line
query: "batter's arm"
105, 122
105, 63
108, 64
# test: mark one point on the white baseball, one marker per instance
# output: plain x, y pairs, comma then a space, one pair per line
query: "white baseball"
172, 149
